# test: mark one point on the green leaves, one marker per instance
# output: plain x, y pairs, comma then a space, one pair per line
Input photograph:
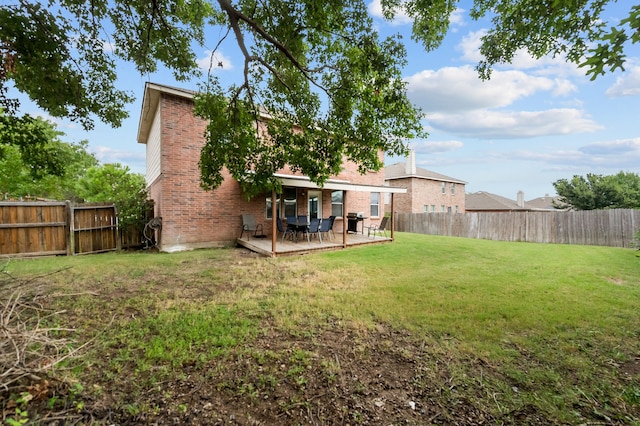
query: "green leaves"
35, 139
319, 88
38, 52
567, 28
620, 191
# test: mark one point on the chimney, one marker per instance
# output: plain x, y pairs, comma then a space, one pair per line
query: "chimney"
410, 165
520, 199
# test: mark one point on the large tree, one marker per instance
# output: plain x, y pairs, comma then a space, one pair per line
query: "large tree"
22, 175
33, 138
619, 191
314, 65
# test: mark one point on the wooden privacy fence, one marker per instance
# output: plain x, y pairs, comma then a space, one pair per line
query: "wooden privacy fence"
615, 227
60, 228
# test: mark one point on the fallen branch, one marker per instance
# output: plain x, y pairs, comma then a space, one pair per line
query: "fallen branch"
31, 345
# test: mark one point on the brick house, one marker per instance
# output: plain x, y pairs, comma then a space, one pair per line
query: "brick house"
427, 191
195, 218
483, 201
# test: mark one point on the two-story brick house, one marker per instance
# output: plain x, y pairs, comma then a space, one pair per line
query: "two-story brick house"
427, 191
195, 218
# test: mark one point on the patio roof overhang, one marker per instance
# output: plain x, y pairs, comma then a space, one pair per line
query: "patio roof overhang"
336, 185
331, 184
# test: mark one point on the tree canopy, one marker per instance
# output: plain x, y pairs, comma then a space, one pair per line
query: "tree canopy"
316, 66
115, 183
619, 191
34, 138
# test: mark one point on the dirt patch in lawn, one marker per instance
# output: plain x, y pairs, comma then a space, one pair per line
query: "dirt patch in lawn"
338, 376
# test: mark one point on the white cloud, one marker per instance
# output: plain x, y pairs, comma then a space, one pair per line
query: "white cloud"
522, 60
514, 125
214, 61
401, 17
563, 87
614, 147
459, 89
105, 154
433, 147
582, 161
457, 18
626, 85
470, 46
107, 46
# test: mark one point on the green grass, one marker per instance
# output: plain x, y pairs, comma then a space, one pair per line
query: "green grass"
551, 323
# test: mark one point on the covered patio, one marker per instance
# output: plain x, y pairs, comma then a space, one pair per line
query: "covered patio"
274, 245
288, 247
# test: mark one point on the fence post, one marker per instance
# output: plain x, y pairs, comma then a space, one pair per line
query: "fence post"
119, 233
70, 221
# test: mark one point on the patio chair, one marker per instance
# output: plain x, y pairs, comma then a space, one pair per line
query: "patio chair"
313, 229
326, 225
302, 220
375, 228
249, 225
333, 220
290, 231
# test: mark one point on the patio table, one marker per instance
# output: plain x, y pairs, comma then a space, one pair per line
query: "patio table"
298, 226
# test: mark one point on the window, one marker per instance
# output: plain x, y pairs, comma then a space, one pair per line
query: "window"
442, 208
375, 204
425, 208
269, 205
453, 188
433, 208
288, 198
444, 187
336, 203
457, 209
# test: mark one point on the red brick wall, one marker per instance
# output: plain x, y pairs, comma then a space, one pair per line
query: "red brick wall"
191, 216
429, 192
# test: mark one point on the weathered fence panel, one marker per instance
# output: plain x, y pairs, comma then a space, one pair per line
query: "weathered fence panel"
33, 228
94, 228
45, 228
614, 228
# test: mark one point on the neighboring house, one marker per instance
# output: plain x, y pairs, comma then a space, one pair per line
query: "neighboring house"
194, 218
545, 203
427, 191
487, 202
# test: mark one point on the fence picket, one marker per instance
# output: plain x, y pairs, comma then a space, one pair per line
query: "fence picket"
614, 228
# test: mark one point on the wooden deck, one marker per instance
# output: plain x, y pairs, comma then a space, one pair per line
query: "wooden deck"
287, 247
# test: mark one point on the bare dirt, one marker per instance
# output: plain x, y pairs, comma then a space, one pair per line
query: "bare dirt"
336, 377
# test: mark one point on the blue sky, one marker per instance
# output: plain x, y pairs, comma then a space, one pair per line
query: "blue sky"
533, 123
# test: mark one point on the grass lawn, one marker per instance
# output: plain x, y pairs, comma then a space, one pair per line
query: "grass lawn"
426, 330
